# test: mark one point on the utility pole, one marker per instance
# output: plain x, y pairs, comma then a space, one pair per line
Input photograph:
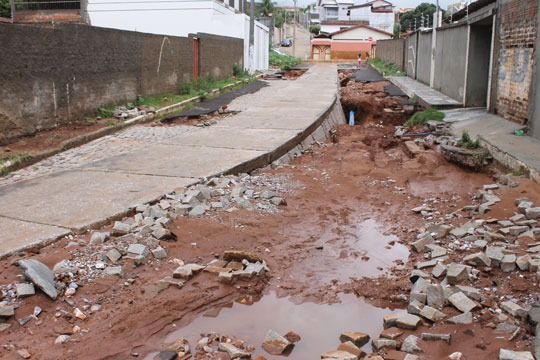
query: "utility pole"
433, 45
251, 64
294, 30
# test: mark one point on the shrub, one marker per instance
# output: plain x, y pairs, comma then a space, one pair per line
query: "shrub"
423, 117
466, 142
105, 113
187, 88
285, 62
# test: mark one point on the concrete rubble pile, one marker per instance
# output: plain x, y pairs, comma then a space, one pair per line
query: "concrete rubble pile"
445, 280
143, 239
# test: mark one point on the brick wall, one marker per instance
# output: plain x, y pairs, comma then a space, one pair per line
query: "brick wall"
516, 48
54, 75
45, 16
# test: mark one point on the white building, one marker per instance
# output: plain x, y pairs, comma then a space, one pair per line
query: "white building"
180, 18
337, 15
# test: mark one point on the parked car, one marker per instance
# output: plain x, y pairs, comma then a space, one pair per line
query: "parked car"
286, 42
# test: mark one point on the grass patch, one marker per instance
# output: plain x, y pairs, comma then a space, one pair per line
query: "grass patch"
467, 143
190, 89
385, 68
285, 62
14, 160
423, 117
517, 172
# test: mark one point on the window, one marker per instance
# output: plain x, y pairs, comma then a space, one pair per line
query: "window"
332, 12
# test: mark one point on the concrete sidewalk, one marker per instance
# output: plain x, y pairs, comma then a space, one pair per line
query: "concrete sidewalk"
425, 95
87, 186
497, 135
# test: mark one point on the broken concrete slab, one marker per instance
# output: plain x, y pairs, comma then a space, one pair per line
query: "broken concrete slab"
432, 314
435, 337
233, 351
357, 338
461, 302
505, 354
408, 321
514, 309
465, 318
39, 274
338, 355
410, 345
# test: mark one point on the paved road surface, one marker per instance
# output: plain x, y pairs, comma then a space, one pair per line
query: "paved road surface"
88, 185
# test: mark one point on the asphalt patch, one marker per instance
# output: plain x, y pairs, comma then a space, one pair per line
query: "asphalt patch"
393, 90
368, 74
214, 104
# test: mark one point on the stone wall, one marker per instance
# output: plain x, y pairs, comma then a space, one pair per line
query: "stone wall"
394, 51
516, 49
55, 75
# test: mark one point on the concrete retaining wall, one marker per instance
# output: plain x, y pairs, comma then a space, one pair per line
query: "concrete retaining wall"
450, 61
424, 57
412, 52
55, 75
393, 51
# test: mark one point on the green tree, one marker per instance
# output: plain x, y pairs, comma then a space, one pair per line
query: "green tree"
315, 29
279, 17
265, 8
397, 30
423, 11
5, 8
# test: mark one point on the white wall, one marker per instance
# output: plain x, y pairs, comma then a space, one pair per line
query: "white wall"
180, 18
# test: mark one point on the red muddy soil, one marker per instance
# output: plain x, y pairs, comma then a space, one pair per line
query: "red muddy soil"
48, 139
345, 230
345, 184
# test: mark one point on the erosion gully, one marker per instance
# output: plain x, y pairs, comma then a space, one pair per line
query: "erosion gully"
338, 255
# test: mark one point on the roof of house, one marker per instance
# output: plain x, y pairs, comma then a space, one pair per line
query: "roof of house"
370, 3
477, 5
359, 26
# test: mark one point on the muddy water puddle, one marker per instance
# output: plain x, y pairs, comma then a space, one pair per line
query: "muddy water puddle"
319, 325
352, 251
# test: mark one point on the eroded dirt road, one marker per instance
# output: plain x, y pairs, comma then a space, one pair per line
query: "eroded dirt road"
338, 255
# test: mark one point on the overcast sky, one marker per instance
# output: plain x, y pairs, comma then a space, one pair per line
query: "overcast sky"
397, 3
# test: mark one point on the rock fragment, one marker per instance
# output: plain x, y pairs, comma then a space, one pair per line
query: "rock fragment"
275, 344
233, 351
338, 355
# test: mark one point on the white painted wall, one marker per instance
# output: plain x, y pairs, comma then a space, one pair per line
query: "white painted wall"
180, 18
381, 21
361, 33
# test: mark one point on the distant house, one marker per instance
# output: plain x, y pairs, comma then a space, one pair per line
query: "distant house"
337, 15
347, 43
171, 17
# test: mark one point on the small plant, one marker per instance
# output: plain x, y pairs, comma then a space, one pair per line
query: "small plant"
111, 122
89, 120
423, 117
466, 141
105, 113
517, 172
238, 71
187, 87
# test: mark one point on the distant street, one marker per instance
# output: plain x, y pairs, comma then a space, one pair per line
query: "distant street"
303, 48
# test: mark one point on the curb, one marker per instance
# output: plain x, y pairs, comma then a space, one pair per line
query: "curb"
10, 166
